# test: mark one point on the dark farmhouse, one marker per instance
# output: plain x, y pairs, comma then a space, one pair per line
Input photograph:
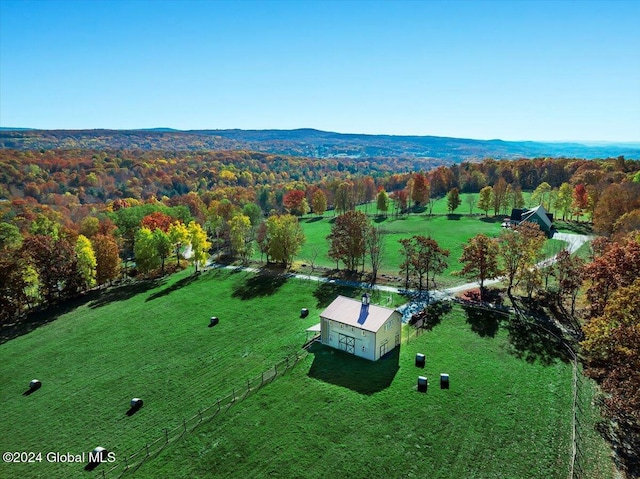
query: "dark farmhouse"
536, 215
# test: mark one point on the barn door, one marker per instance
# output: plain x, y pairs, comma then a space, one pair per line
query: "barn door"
347, 343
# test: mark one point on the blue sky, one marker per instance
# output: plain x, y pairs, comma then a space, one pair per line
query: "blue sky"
514, 70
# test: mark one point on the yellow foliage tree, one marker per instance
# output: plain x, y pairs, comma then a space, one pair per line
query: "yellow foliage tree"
86, 261
199, 244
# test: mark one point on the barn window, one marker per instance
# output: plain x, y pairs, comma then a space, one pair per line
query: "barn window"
363, 349
364, 333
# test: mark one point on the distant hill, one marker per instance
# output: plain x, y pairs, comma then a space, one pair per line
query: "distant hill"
310, 143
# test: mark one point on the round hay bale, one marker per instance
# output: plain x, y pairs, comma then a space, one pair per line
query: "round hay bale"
35, 384
136, 403
304, 312
213, 321
99, 454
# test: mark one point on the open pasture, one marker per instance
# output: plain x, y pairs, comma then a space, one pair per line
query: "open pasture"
450, 231
507, 414
149, 341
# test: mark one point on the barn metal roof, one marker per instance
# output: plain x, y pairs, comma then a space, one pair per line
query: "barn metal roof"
353, 312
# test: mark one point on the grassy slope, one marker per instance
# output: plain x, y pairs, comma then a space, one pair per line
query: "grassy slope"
339, 416
155, 345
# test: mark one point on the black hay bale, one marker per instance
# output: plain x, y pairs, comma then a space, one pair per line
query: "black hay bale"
422, 384
304, 312
98, 455
420, 360
444, 381
34, 385
136, 404
213, 321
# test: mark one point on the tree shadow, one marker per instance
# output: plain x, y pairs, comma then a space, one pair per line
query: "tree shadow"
486, 296
533, 342
431, 316
379, 219
358, 374
122, 293
483, 322
454, 217
95, 299
492, 219
314, 219
325, 293
578, 227
260, 284
33, 320
174, 287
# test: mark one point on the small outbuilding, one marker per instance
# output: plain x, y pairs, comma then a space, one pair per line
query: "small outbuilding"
360, 328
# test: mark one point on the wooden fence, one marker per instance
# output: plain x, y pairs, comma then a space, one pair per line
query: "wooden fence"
131, 462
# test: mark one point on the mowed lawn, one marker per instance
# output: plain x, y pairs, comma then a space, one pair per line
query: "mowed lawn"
451, 232
336, 416
150, 343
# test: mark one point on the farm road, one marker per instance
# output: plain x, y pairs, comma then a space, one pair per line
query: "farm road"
574, 242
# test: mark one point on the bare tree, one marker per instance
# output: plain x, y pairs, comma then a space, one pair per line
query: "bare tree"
374, 243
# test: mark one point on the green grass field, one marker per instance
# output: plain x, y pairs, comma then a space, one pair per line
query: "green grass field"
336, 415
451, 232
503, 415
149, 343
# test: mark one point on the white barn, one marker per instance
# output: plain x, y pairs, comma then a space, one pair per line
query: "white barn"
360, 328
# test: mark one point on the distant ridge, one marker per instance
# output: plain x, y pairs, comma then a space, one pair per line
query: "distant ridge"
156, 129
309, 142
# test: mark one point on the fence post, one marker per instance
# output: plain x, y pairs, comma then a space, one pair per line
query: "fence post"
103, 476
218, 404
200, 413
147, 445
248, 386
166, 435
